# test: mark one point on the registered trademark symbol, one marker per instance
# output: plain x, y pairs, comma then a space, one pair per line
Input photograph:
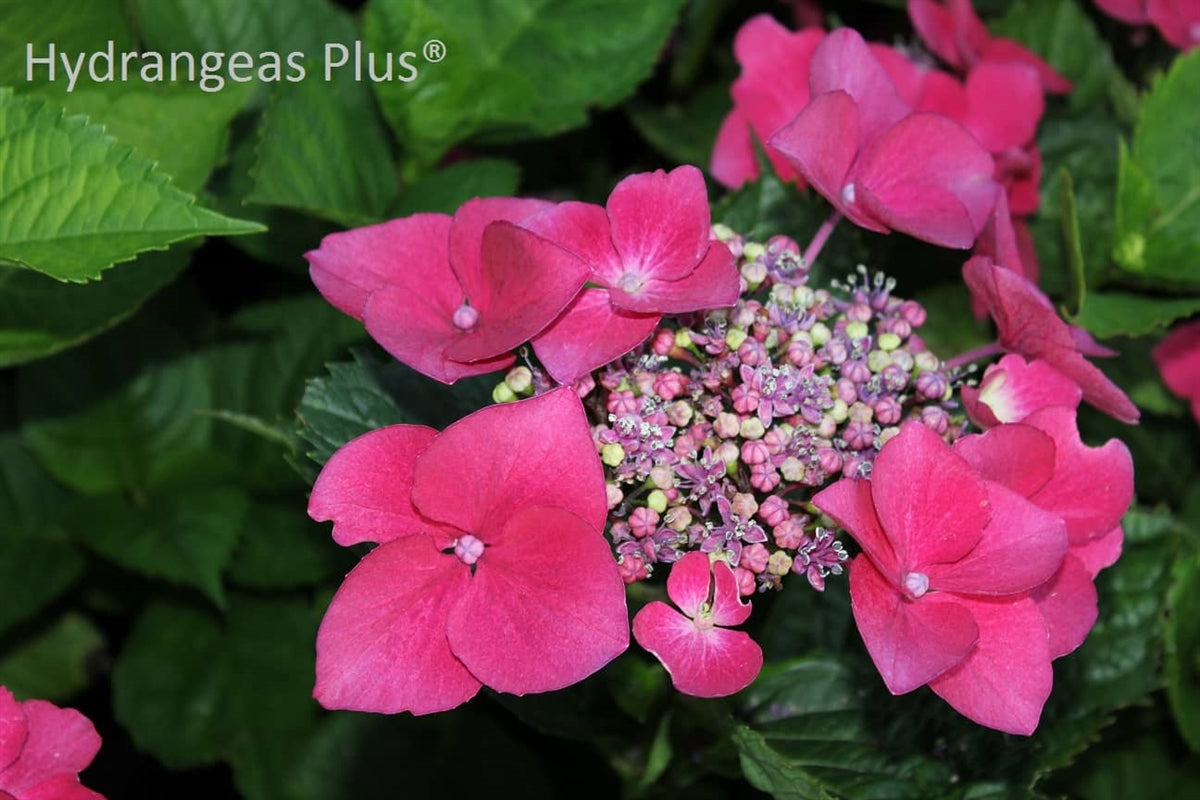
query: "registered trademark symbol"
434, 50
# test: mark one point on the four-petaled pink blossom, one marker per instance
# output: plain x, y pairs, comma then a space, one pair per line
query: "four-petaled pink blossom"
450, 297
703, 657
941, 591
954, 32
491, 568
771, 90
1028, 324
649, 251
1178, 360
43, 748
881, 165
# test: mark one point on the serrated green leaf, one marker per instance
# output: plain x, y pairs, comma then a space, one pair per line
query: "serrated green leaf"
1061, 32
185, 538
1124, 314
54, 665
41, 316
348, 403
324, 151
73, 202
511, 68
446, 189
1159, 202
193, 689
73, 26
1183, 649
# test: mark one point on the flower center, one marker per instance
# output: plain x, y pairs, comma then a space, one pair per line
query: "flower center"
630, 283
468, 549
916, 584
848, 194
465, 317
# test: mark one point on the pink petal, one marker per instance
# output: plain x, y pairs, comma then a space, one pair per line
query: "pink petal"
545, 607
1006, 103
848, 503
62, 787
689, 583
382, 646
930, 502
1006, 679
1014, 388
1010, 52
715, 662
1022, 546
1178, 359
1096, 554
1131, 11
1020, 457
489, 465
911, 642
937, 30
1177, 20
1067, 603
928, 177
13, 729
590, 334
733, 161
821, 143
417, 328
843, 62
466, 238
660, 222
60, 742
713, 284
908, 77
1092, 487
412, 252
727, 606
583, 229
366, 487
1024, 198
528, 280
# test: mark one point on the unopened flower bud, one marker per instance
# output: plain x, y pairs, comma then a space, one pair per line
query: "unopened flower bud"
678, 518
856, 371
657, 500
779, 563
612, 454
827, 427
613, 495
935, 418
789, 534
839, 411
727, 452
859, 435
679, 413
683, 339
792, 469
886, 434
519, 379
643, 522
857, 330
621, 403
632, 568
726, 425
887, 410
860, 412
926, 361
751, 352
830, 460
662, 476
859, 312
754, 557
845, 390
734, 338
663, 341
931, 385
773, 510
878, 360
912, 312
764, 477
503, 394
755, 452
903, 360
752, 428
819, 333
755, 272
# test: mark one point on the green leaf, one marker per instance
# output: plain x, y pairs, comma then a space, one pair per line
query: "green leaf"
1183, 649
951, 328
73, 202
1061, 32
186, 538
510, 68
1117, 665
348, 403
284, 549
1159, 201
73, 26
193, 689
1072, 245
808, 738
40, 316
54, 665
33, 572
1125, 314
446, 189
684, 132
324, 150
120, 413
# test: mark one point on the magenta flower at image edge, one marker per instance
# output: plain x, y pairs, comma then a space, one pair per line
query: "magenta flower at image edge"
491, 567
43, 748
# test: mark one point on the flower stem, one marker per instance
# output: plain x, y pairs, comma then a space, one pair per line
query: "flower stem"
818, 241
985, 351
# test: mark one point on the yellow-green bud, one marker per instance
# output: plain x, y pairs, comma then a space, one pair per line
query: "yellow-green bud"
657, 500
840, 411
683, 339
888, 341
735, 337
752, 428
519, 379
857, 330
779, 563
612, 454
722, 233
503, 394
878, 361
752, 250
819, 333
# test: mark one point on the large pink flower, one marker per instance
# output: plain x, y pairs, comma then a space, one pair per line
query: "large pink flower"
1177, 20
450, 297
954, 32
881, 165
703, 656
1028, 324
649, 252
1178, 360
771, 90
491, 568
43, 748
941, 591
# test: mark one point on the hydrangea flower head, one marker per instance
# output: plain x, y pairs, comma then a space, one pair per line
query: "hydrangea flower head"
449, 296
940, 593
43, 748
703, 656
491, 567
